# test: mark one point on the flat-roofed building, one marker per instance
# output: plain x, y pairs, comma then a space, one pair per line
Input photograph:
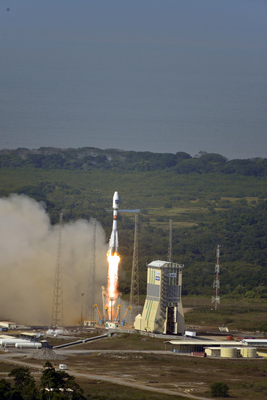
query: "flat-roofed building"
255, 342
29, 335
8, 324
213, 348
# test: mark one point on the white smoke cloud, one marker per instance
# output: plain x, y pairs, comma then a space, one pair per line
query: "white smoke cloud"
28, 257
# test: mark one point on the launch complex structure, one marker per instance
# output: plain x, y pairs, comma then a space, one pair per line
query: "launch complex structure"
110, 314
110, 295
163, 311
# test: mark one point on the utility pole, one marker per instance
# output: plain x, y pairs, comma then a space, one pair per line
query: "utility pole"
216, 283
57, 310
170, 243
90, 301
134, 294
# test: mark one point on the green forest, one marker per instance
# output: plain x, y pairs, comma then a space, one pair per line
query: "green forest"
210, 200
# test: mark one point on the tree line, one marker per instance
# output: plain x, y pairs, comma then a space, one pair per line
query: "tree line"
90, 158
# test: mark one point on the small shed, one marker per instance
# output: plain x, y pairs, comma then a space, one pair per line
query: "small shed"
8, 324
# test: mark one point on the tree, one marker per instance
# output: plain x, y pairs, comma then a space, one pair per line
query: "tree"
59, 384
219, 389
5, 389
24, 384
22, 377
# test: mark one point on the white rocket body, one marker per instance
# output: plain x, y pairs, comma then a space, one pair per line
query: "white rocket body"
114, 239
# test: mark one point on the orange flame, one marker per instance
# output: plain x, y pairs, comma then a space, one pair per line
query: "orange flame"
112, 287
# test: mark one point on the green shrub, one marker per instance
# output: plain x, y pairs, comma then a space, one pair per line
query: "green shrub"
219, 389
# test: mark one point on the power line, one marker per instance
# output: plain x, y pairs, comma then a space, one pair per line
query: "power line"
216, 283
170, 243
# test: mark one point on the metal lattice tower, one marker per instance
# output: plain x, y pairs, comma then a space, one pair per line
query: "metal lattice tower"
90, 301
57, 311
134, 295
216, 283
170, 243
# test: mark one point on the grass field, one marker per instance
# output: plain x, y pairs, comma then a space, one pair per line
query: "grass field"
236, 314
246, 379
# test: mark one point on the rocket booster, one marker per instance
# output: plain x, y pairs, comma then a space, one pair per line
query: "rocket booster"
114, 240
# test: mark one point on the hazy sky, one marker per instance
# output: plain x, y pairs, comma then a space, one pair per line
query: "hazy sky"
163, 76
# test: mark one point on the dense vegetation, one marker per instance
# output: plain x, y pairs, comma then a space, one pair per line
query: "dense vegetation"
53, 385
89, 158
211, 201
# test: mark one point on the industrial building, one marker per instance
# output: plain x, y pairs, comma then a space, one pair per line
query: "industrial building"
26, 340
8, 324
222, 348
163, 310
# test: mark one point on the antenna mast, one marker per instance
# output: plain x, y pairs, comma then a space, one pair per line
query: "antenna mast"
57, 310
91, 282
170, 243
216, 283
134, 294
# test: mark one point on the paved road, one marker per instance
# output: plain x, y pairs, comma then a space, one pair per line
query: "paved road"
8, 357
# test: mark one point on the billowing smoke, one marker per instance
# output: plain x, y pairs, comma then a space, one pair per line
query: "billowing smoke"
28, 257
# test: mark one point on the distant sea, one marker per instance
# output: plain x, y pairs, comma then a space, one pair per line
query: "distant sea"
143, 98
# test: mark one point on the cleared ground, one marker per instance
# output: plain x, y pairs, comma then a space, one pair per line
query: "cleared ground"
121, 359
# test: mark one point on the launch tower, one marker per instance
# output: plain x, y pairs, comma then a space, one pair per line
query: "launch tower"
163, 310
57, 310
134, 294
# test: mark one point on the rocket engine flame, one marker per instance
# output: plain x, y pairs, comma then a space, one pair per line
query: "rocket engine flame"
112, 287
113, 262
113, 275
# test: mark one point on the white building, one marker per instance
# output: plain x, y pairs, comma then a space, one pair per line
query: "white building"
163, 310
8, 324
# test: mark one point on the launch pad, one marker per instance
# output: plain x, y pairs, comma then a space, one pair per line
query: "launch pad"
163, 311
110, 295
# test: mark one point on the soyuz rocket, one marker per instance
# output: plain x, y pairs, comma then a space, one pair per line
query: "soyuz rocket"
114, 240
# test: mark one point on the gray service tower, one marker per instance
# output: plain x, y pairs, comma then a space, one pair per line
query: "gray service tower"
163, 310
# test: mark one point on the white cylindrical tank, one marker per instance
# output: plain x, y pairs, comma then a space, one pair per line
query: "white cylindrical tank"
12, 342
229, 352
29, 345
248, 352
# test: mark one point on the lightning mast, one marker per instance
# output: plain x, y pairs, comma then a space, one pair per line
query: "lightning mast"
90, 303
216, 283
134, 294
57, 310
170, 243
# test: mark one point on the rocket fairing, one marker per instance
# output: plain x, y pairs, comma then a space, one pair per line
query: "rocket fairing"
114, 239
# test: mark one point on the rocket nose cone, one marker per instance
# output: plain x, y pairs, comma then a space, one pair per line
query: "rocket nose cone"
116, 200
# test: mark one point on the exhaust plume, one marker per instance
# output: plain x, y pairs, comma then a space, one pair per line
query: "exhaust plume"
28, 248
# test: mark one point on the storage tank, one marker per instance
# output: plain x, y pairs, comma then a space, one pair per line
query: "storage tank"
229, 352
12, 342
249, 352
29, 345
